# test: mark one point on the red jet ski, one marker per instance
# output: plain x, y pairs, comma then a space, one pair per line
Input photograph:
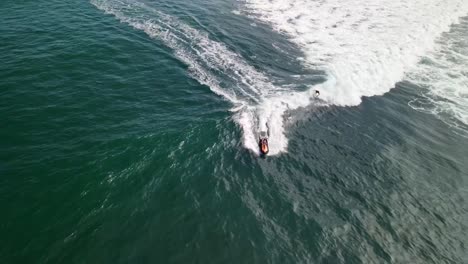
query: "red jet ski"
263, 143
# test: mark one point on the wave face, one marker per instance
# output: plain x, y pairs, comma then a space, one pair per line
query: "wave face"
365, 46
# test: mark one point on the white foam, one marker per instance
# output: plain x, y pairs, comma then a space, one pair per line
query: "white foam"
365, 46
444, 74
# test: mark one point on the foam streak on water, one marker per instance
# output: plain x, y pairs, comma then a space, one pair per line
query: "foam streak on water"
366, 46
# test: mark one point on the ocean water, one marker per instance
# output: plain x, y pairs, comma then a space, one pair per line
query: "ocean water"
130, 127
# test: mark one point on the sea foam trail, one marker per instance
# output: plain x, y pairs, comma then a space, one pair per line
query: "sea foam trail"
257, 103
364, 46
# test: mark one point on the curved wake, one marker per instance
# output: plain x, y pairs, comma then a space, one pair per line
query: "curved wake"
258, 104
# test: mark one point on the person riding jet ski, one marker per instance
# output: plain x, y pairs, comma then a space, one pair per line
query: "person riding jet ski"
263, 143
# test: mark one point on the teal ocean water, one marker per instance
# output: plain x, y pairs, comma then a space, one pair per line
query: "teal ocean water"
129, 131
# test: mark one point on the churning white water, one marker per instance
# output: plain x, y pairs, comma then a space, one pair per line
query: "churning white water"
365, 46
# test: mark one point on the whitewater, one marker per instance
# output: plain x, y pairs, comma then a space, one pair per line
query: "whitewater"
364, 48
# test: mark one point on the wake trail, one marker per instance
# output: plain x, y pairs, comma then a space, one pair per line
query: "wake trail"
256, 101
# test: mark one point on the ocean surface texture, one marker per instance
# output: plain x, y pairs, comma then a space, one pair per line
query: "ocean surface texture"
129, 131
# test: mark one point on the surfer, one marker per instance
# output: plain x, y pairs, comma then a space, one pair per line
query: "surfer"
317, 93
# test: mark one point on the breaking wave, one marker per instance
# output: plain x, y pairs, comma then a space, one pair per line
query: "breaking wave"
365, 46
